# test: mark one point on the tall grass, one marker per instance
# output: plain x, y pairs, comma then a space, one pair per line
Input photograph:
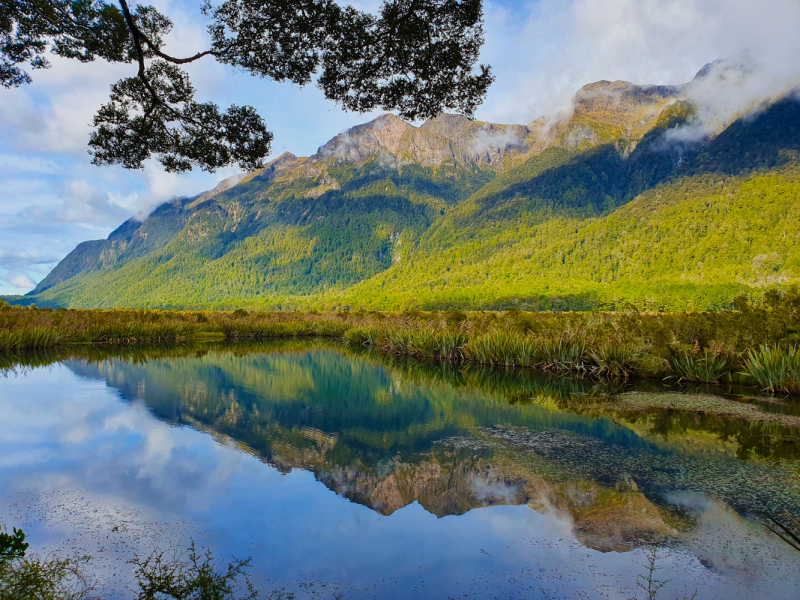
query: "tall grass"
137, 333
284, 329
423, 343
503, 349
774, 369
613, 359
24, 339
565, 353
606, 345
708, 367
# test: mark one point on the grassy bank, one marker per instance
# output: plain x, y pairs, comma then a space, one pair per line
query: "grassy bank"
755, 344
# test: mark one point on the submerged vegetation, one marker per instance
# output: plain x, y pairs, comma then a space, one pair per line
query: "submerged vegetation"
755, 344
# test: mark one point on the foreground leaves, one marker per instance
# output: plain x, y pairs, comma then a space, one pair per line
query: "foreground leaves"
415, 57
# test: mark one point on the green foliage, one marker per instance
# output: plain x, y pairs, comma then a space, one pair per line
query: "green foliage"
613, 359
706, 367
565, 353
30, 577
665, 227
774, 368
12, 545
700, 346
36, 337
174, 574
504, 349
165, 575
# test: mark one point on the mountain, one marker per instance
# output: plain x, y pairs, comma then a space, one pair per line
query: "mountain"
633, 195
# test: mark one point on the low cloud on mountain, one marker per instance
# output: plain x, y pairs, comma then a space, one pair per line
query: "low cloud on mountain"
544, 52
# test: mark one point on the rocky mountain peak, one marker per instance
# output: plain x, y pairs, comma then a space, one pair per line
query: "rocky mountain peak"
447, 125
272, 169
383, 134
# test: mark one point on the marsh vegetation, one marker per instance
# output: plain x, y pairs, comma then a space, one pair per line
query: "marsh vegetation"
756, 344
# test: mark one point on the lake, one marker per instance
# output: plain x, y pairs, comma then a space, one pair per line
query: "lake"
351, 475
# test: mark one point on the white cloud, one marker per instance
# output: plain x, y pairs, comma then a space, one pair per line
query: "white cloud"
23, 282
489, 138
28, 164
542, 58
81, 202
17, 259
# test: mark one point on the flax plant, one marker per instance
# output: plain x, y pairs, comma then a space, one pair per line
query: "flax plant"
774, 369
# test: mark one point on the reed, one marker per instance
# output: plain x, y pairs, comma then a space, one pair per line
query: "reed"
425, 343
774, 369
708, 367
610, 345
253, 331
360, 336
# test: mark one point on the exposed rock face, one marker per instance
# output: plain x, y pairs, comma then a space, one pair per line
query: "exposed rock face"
276, 168
608, 112
603, 111
392, 141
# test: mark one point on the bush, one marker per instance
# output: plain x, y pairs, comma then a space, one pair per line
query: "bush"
31, 577
163, 575
169, 574
708, 367
774, 369
613, 359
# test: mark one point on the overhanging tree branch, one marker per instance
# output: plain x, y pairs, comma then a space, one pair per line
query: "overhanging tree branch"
416, 57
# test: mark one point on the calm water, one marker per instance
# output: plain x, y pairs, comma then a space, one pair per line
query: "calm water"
351, 476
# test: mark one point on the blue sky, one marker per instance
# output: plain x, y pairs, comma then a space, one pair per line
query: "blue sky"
542, 51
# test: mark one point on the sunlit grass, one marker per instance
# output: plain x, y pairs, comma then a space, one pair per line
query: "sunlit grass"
689, 347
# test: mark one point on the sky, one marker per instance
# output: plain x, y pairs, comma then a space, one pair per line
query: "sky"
541, 52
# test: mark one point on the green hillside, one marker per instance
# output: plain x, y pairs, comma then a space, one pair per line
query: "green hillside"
612, 205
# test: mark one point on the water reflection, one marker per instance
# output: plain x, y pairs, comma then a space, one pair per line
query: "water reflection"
615, 468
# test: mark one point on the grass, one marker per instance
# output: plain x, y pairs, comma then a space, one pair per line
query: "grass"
30, 339
738, 346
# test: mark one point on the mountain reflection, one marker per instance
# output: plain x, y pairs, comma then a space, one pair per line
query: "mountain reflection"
388, 433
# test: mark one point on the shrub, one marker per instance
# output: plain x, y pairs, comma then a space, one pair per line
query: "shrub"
565, 353
613, 359
170, 574
774, 369
33, 578
708, 367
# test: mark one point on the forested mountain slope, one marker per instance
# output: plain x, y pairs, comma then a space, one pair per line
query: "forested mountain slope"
626, 198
